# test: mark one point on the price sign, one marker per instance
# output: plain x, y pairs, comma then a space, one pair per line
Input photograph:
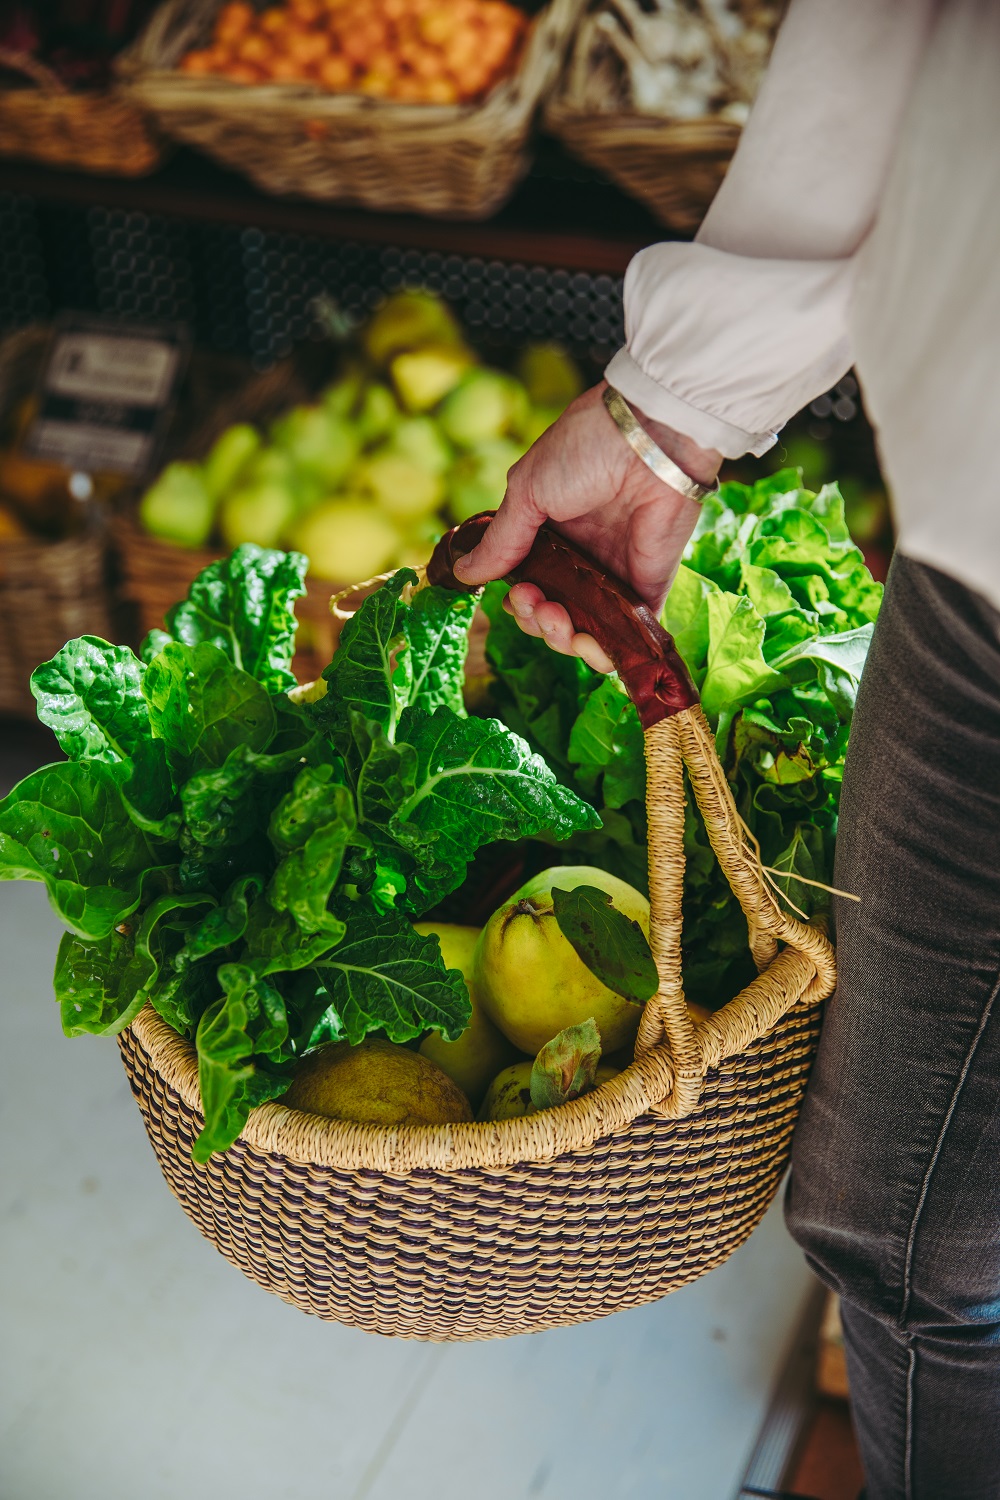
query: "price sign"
105, 394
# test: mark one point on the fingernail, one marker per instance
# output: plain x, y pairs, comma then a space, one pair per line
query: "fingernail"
458, 566
546, 629
521, 608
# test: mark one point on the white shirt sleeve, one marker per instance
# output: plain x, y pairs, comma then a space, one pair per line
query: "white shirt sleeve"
730, 336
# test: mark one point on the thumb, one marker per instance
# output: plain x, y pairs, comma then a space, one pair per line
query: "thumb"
507, 542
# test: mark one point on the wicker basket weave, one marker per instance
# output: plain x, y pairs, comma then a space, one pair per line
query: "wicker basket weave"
483, 1230
673, 166
49, 590
92, 130
459, 161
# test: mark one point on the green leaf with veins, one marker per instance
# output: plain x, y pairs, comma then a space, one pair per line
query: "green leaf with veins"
614, 948
437, 627
607, 740
66, 824
248, 1018
242, 605
101, 985
371, 672
386, 977
90, 696
203, 708
313, 825
475, 783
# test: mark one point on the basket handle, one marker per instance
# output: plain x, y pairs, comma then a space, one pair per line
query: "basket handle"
677, 737
597, 602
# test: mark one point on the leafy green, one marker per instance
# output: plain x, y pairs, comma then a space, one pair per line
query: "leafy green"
474, 782
566, 1067
67, 825
248, 864
243, 605
613, 947
371, 671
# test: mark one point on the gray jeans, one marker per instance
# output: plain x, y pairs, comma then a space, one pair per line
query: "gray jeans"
895, 1187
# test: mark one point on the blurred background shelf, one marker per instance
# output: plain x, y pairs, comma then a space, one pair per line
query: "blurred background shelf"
562, 215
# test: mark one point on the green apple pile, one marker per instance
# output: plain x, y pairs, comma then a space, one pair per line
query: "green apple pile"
414, 436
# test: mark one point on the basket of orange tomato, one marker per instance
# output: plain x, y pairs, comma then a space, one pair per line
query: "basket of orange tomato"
421, 106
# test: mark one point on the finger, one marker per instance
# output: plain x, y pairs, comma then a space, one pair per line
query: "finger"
523, 599
556, 626
589, 651
507, 541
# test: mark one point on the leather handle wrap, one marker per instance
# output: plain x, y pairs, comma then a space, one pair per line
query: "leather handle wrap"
644, 655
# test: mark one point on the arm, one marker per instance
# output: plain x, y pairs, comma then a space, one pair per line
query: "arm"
729, 336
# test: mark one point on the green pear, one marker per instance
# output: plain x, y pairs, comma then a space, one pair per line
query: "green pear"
319, 444
346, 539
178, 507
376, 1083
478, 480
481, 1050
530, 981
403, 489
484, 405
421, 441
423, 377
409, 320
229, 457
261, 514
552, 377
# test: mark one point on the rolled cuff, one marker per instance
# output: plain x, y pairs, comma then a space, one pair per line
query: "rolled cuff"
659, 403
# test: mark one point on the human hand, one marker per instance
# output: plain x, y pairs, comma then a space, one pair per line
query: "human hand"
582, 475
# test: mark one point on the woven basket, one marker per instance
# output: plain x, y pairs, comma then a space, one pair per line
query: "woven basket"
482, 1230
459, 161
49, 590
674, 167
94, 130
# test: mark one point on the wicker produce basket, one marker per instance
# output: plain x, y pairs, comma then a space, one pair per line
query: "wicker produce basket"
459, 161
653, 96
674, 167
93, 130
49, 590
482, 1230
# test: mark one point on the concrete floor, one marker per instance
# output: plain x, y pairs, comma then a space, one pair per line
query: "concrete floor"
137, 1365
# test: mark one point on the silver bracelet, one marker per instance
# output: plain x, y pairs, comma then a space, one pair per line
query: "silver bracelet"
651, 454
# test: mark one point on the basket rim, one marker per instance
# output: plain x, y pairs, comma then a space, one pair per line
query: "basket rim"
276, 1130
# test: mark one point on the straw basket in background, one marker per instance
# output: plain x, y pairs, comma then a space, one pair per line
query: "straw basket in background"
50, 590
91, 130
673, 166
458, 161
476, 1231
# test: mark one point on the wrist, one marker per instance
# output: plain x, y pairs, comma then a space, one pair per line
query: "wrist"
700, 464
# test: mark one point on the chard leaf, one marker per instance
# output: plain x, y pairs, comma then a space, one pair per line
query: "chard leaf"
277, 944
614, 948
102, 985
475, 783
90, 696
566, 1067
242, 605
437, 627
685, 616
736, 667
66, 824
203, 708
386, 977
249, 1017
607, 740
371, 671
388, 774
837, 660
312, 826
